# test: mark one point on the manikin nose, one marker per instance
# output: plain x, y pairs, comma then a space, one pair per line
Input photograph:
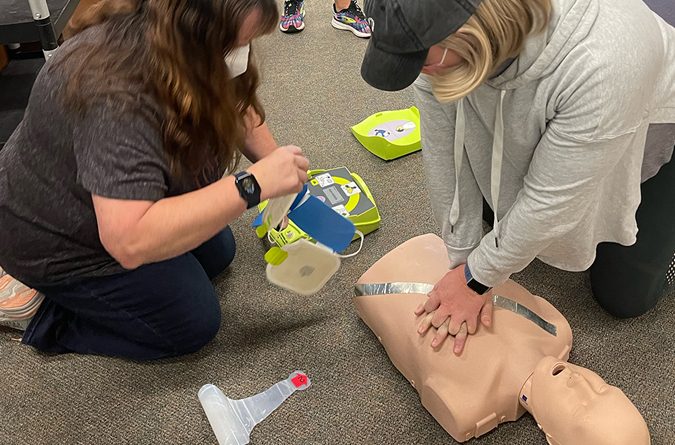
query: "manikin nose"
578, 381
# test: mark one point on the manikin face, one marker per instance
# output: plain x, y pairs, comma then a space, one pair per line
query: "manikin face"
574, 406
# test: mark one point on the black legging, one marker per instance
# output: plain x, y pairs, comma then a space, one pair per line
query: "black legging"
629, 281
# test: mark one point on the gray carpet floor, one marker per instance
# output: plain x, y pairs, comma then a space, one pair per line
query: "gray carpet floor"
313, 93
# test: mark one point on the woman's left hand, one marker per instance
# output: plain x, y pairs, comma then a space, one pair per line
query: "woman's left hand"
453, 308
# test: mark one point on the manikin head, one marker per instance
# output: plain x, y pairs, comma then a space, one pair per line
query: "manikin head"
574, 406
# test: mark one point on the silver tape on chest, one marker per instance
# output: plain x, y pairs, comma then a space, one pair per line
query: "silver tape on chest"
362, 289
392, 288
523, 311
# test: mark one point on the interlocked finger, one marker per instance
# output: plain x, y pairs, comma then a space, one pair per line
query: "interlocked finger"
425, 324
441, 334
440, 316
455, 324
460, 339
432, 303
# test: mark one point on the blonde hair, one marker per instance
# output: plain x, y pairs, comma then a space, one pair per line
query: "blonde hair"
496, 32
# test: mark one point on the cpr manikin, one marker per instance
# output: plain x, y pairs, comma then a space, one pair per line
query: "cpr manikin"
513, 367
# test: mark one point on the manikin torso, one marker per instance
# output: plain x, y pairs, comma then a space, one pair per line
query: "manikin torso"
474, 392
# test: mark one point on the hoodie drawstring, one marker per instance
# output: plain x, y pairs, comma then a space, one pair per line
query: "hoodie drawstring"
497, 156
459, 156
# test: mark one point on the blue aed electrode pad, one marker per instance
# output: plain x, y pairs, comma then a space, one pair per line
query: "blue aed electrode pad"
323, 223
315, 218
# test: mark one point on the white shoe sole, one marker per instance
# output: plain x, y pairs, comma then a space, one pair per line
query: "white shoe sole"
291, 29
343, 27
294, 29
19, 325
18, 303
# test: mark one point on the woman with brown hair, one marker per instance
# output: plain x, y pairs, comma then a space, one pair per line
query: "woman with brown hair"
559, 114
114, 193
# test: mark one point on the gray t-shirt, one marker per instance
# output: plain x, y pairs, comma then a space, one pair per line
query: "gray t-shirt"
55, 161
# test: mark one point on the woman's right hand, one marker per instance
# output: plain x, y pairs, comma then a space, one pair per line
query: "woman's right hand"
452, 299
282, 172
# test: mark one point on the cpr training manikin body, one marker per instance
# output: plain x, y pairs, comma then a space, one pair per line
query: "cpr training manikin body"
513, 367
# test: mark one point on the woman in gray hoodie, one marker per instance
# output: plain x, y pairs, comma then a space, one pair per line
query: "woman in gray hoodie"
560, 114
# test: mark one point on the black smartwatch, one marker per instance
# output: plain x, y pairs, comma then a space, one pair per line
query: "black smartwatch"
474, 285
248, 187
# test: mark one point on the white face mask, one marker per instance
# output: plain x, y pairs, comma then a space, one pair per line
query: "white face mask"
237, 60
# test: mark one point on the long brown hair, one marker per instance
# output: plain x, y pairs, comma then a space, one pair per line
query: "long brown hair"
174, 51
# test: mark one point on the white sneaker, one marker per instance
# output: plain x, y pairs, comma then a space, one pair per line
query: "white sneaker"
18, 302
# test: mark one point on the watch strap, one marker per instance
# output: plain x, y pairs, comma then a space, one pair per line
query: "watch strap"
474, 285
249, 192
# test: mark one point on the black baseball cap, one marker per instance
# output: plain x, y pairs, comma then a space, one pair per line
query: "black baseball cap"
402, 33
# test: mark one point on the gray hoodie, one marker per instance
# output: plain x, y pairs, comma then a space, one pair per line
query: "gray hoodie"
555, 143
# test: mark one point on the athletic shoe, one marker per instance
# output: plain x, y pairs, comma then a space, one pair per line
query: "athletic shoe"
18, 303
294, 13
670, 279
351, 19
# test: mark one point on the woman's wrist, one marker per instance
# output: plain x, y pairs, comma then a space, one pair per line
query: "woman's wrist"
248, 188
474, 284
261, 180
229, 188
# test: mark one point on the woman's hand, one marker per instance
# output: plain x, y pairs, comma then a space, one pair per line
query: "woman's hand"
282, 172
453, 308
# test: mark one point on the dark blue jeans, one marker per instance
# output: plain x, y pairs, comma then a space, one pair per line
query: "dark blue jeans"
159, 310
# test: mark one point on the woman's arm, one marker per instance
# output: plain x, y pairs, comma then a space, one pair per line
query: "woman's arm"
121, 162
137, 232
438, 141
560, 189
141, 232
259, 140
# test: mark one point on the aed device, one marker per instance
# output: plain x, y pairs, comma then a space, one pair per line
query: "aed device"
344, 192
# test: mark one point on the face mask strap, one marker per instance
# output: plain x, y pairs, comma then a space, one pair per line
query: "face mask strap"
445, 53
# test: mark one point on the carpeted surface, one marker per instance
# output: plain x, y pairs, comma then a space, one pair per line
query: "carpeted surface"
313, 93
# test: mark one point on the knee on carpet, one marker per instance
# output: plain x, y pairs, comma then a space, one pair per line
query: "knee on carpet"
196, 317
224, 244
198, 333
227, 245
625, 303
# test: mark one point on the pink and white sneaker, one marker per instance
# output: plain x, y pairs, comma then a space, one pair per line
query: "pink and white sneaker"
18, 302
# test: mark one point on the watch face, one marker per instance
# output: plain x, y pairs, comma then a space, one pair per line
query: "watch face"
249, 184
